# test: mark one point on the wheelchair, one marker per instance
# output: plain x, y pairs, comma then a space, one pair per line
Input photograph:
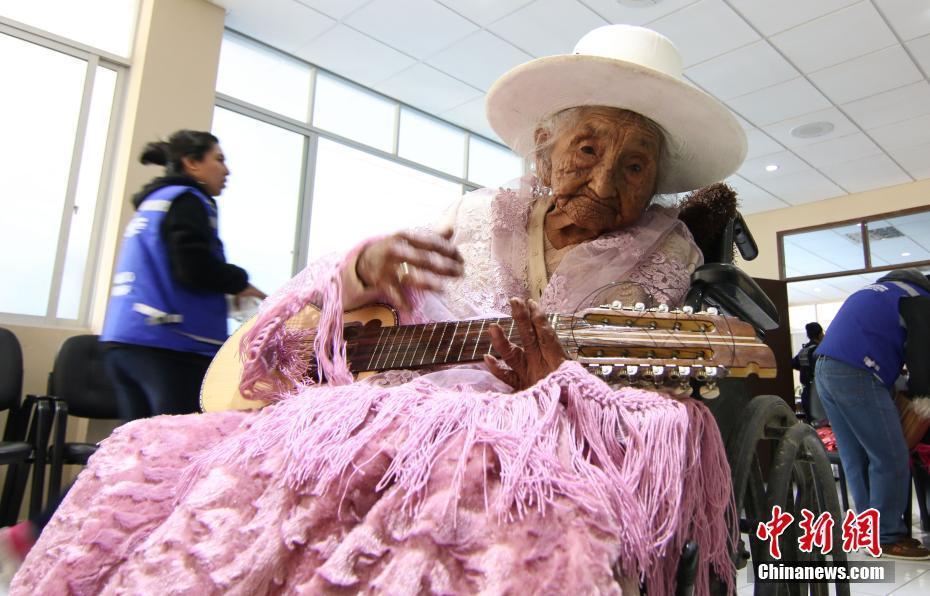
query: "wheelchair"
774, 458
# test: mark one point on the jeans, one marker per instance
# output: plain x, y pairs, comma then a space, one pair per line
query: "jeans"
149, 382
871, 443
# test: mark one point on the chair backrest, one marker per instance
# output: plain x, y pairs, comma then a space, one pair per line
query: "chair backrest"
11, 370
79, 379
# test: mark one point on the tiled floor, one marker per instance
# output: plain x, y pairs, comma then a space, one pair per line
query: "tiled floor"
911, 578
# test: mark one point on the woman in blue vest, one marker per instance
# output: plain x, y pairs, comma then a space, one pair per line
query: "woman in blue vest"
167, 312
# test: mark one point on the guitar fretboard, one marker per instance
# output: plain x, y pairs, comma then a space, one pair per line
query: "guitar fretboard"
416, 346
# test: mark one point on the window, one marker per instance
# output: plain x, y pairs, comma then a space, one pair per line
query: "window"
351, 112
898, 240
876, 243
319, 163
431, 142
108, 25
490, 164
272, 80
258, 210
824, 251
61, 123
349, 207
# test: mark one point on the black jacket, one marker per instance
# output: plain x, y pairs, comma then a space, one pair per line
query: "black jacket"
187, 235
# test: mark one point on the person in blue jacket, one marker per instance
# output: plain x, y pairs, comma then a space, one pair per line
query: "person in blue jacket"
878, 330
167, 314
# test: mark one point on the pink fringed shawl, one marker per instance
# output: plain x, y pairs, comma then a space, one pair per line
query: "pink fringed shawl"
445, 482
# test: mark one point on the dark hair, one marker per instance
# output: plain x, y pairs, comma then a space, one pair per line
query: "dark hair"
814, 330
184, 143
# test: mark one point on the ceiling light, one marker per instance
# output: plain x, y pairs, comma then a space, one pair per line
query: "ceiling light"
638, 3
771, 167
812, 130
905, 254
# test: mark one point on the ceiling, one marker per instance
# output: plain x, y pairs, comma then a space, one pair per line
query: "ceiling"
860, 65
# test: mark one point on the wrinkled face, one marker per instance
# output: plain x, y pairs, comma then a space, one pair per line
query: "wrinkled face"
603, 170
211, 171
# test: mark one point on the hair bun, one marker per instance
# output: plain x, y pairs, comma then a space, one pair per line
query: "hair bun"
155, 153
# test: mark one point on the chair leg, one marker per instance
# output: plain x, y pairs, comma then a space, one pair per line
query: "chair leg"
43, 430
58, 443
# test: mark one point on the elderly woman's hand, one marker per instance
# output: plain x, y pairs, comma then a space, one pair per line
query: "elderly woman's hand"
541, 352
413, 260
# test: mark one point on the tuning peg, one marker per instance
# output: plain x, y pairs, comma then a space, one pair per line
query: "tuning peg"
712, 310
662, 308
616, 305
710, 391
606, 369
658, 371
688, 310
639, 307
632, 370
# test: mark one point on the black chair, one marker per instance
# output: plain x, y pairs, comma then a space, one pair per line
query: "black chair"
78, 387
25, 435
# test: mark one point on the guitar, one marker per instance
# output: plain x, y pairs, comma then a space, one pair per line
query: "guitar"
631, 345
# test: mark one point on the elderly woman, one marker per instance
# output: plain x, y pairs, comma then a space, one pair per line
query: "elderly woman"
521, 474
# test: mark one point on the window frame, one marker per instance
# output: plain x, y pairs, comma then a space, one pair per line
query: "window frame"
313, 134
94, 59
867, 254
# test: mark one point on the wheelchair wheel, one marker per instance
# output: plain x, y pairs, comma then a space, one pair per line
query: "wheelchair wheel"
800, 477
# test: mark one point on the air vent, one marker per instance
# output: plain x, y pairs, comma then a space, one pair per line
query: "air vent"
876, 234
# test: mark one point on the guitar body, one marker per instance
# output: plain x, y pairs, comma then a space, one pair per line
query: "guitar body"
220, 388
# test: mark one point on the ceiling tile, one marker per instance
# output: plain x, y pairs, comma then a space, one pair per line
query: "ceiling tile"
471, 115
334, 8
742, 71
867, 75
920, 48
417, 27
835, 38
479, 59
760, 144
426, 88
547, 27
771, 17
909, 18
877, 171
803, 187
779, 102
615, 12
486, 12
696, 30
369, 61
915, 160
834, 151
903, 135
753, 199
781, 131
787, 162
890, 107
284, 24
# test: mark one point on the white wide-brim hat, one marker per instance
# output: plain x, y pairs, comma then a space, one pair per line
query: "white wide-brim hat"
635, 69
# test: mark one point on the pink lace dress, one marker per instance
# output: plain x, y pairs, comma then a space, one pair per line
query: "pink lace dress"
444, 482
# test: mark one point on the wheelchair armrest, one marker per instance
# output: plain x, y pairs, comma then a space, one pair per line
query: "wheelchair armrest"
735, 293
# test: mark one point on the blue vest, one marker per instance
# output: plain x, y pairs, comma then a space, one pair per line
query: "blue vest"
147, 305
868, 333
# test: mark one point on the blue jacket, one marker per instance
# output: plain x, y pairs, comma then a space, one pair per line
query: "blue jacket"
147, 305
871, 331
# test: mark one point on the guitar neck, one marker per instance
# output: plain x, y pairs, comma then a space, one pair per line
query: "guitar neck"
429, 344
